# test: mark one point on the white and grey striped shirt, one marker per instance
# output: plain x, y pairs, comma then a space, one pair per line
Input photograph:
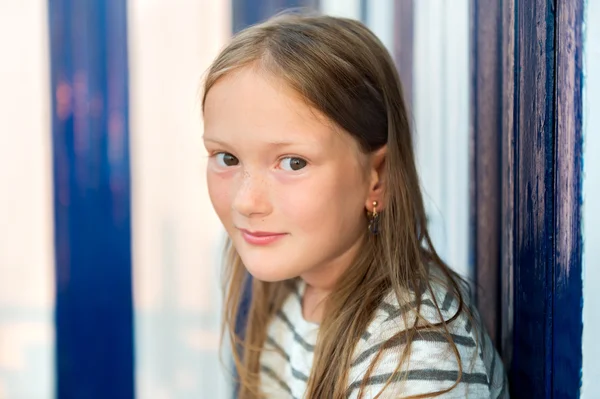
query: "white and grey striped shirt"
287, 356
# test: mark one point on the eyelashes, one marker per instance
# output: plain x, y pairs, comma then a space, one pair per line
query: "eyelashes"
225, 159
293, 164
287, 163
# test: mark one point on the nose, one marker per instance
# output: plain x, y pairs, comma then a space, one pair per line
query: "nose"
251, 198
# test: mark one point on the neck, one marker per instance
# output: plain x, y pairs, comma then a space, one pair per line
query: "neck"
313, 304
321, 281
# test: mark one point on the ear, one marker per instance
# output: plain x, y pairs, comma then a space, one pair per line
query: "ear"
377, 183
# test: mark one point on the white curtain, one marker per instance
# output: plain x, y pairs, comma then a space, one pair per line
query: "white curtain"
591, 209
176, 236
341, 8
26, 222
380, 19
441, 104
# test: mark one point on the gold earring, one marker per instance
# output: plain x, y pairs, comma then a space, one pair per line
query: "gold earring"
374, 220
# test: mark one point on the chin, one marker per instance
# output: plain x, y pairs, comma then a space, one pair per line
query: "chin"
268, 271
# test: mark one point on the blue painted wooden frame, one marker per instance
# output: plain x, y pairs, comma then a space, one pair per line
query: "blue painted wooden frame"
89, 86
485, 159
568, 180
533, 207
538, 46
541, 168
546, 360
403, 47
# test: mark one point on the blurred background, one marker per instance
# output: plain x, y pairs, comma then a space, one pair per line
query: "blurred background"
110, 250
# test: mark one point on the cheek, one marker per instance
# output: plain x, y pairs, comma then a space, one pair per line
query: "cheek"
219, 191
321, 207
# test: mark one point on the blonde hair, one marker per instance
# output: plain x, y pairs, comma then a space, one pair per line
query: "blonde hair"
342, 70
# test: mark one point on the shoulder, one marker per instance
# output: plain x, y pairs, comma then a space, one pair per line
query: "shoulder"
460, 357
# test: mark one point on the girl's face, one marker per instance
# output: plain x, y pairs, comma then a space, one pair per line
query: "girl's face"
289, 188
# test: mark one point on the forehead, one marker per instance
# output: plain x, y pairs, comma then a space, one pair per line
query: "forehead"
252, 104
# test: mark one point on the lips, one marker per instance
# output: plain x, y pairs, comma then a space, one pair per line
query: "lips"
261, 237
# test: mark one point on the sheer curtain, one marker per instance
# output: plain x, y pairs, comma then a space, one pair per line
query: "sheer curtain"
441, 114
176, 236
26, 246
591, 211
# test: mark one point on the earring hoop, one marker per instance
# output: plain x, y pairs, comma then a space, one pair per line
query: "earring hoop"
374, 220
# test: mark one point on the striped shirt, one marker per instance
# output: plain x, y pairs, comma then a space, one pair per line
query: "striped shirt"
287, 356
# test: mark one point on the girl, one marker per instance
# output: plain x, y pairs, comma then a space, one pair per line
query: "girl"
312, 173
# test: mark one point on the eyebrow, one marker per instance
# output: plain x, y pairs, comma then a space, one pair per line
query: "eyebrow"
269, 143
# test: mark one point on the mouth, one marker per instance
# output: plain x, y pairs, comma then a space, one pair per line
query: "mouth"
261, 237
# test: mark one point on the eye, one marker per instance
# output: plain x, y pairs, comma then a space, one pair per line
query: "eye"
292, 163
225, 159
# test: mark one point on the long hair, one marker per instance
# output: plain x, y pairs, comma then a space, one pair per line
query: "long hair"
341, 69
